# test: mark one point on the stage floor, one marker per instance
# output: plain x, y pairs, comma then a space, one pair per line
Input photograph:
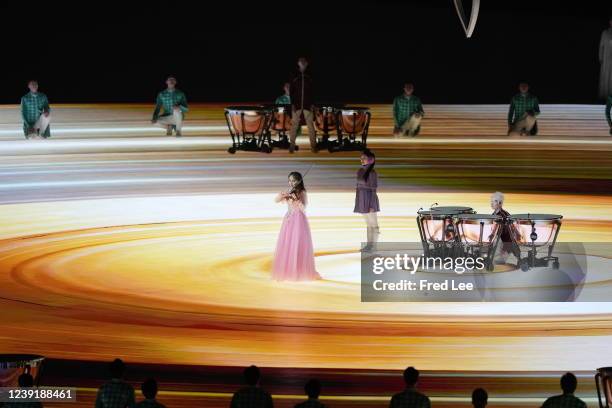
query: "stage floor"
118, 241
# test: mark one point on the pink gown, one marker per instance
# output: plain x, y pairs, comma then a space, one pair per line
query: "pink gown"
294, 256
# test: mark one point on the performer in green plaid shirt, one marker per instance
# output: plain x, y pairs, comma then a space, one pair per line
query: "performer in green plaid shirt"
173, 103
567, 399
285, 99
608, 108
407, 113
116, 393
524, 108
35, 112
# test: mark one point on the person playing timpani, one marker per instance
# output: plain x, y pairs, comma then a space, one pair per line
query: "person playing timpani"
497, 203
285, 99
524, 108
407, 113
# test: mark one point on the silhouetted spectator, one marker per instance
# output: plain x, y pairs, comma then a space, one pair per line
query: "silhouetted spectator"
24, 381
116, 393
410, 397
251, 396
567, 399
149, 390
312, 390
480, 398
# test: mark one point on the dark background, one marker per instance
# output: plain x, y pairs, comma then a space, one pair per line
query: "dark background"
360, 52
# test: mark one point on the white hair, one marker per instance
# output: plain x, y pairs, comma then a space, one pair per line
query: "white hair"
497, 196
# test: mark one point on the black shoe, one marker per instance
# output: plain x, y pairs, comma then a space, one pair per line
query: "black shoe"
292, 148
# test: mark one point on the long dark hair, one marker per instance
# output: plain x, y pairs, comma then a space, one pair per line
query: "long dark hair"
299, 185
370, 155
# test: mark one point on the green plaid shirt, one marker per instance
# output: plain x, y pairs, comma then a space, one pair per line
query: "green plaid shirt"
283, 100
520, 104
115, 394
167, 100
608, 108
564, 401
32, 106
404, 107
410, 398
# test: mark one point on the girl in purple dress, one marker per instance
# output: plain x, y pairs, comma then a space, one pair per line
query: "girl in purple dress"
294, 256
366, 199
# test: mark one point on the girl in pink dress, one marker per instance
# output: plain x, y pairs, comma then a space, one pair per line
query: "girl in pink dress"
294, 256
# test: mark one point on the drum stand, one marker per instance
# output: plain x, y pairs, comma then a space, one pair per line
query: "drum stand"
349, 143
283, 138
324, 142
441, 249
482, 249
532, 260
282, 142
250, 141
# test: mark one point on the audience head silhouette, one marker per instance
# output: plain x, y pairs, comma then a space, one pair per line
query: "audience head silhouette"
149, 388
313, 388
117, 368
411, 376
25, 380
568, 383
480, 398
252, 375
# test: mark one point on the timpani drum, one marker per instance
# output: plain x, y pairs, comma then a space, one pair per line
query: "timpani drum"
325, 118
437, 229
325, 122
603, 382
533, 233
281, 124
353, 122
455, 209
13, 365
249, 128
479, 235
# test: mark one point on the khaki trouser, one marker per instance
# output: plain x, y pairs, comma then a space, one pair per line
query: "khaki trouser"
42, 124
523, 125
371, 220
176, 119
295, 124
411, 125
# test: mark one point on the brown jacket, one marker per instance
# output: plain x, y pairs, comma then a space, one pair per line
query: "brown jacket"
301, 92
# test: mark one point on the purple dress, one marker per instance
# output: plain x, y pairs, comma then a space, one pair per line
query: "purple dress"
366, 199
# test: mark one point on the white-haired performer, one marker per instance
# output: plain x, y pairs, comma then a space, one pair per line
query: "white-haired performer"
174, 105
35, 112
497, 205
